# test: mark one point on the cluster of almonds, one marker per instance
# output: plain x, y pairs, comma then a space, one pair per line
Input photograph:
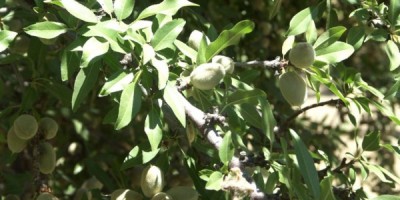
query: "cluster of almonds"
292, 85
152, 183
25, 127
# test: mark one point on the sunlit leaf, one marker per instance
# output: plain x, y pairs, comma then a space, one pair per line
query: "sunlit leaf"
115, 83
166, 35
46, 30
167, 7
6, 37
79, 11
129, 105
173, 99
226, 149
84, 82
92, 49
153, 128
392, 51
334, 53
123, 8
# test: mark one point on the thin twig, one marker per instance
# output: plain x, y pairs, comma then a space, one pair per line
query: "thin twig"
299, 112
277, 63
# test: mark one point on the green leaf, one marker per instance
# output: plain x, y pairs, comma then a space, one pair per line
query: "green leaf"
334, 53
162, 72
386, 110
306, 165
201, 52
107, 6
215, 181
137, 157
275, 8
326, 189
393, 90
167, 7
69, 64
252, 116
117, 82
148, 53
268, 120
123, 8
226, 149
79, 11
329, 37
386, 197
371, 141
47, 29
356, 37
186, 50
92, 49
321, 77
228, 38
153, 128
301, 21
367, 87
173, 99
394, 12
287, 44
378, 172
245, 96
84, 82
392, 51
129, 105
6, 37
166, 35
311, 33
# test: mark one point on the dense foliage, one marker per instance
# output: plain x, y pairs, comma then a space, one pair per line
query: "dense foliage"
206, 95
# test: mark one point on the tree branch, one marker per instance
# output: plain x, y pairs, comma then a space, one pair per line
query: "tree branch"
274, 64
299, 112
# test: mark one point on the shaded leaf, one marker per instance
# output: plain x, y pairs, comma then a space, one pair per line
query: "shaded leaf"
326, 189
306, 165
245, 96
371, 141
356, 37
84, 82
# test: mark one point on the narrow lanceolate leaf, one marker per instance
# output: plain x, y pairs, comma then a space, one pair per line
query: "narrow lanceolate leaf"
299, 23
6, 37
69, 64
386, 197
148, 53
153, 128
334, 53
226, 150
356, 37
84, 82
186, 50
167, 34
329, 37
268, 120
162, 72
228, 38
167, 7
123, 8
287, 44
47, 30
173, 99
215, 181
394, 12
306, 165
242, 96
392, 51
371, 141
79, 11
116, 83
92, 49
129, 105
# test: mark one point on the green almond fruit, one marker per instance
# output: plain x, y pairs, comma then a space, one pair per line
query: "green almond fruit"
15, 144
226, 62
302, 55
25, 126
46, 196
49, 127
206, 76
152, 181
162, 196
195, 39
121, 194
293, 88
183, 192
47, 158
